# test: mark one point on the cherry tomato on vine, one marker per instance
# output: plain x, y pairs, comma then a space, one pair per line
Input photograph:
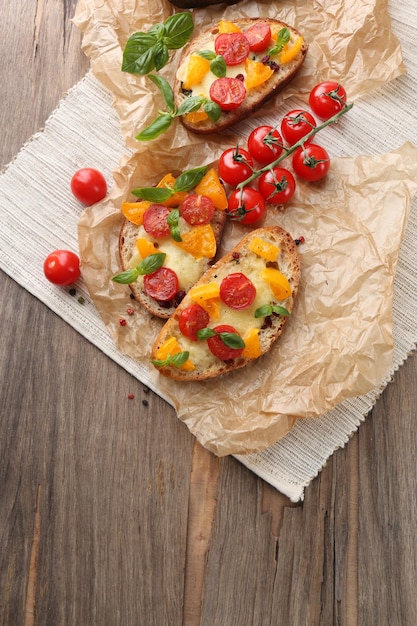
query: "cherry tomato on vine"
219, 348
237, 291
296, 125
227, 92
311, 162
259, 36
161, 285
235, 165
233, 47
265, 144
62, 267
327, 98
246, 205
88, 185
277, 185
192, 319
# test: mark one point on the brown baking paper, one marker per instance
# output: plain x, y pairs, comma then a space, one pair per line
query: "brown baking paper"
338, 342
349, 41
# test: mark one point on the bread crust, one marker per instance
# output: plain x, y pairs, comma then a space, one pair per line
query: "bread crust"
272, 326
257, 97
129, 233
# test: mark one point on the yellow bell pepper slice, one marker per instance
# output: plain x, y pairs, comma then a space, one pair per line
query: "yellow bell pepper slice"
211, 186
133, 211
145, 247
207, 296
290, 51
257, 73
168, 182
278, 282
264, 249
252, 349
195, 117
228, 27
169, 348
199, 242
197, 68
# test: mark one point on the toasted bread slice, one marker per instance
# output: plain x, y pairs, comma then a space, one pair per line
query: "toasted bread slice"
186, 266
285, 65
268, 257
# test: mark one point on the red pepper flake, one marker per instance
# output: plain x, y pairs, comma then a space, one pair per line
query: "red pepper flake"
130, 311
122, 321
131, 396
300, 240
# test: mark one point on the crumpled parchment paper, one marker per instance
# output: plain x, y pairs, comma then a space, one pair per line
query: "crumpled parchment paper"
338, 342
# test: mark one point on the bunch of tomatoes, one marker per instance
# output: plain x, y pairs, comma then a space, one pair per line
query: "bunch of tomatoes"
268, 146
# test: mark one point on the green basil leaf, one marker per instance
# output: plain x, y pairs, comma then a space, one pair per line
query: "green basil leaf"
153, 194
281, 310
212, 109
138, 55
177, 360
231, 340
151, 263
178, 29
218, 66
209, 55
205, 333
283, 38
193, 103
189, 179
158, 30
126, 277
263, 311
160, 55
156, 128
166, 91
174, 229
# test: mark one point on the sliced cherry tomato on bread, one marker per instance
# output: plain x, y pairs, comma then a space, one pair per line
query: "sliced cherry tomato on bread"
227, 92
259, 36
217, 346
161, 285
192, 319
233, 47
197, 209
237, 291
155, 220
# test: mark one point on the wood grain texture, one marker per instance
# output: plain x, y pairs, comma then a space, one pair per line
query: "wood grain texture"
109, 513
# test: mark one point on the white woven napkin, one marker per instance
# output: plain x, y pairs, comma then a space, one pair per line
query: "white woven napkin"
84, 131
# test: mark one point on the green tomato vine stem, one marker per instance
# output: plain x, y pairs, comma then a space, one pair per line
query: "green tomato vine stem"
287, 151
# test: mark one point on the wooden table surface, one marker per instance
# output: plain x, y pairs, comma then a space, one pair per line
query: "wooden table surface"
112, 515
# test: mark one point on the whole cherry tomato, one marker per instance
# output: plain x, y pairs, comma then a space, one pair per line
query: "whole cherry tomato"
265, 144
311, 162
246, 205
296, 125
327, 98
277, 185
235, 165
62, 267
88, 185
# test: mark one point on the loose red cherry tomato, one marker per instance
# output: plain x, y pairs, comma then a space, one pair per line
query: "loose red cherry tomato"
217, 346
88, 185
265, 144
259, 36
161, 285
246, 205
296, 125
197, 209
327, 98
227, 92
277, 185
237, 291
62, 267
235, 165
233, 47
311, 162
155, 220
192, 319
